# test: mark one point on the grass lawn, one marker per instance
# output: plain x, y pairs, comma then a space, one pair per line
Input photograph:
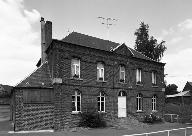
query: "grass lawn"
111, 131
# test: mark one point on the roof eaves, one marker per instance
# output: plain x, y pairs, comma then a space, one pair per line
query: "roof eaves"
31, 87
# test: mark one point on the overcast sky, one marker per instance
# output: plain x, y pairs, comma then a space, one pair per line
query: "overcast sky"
169, 20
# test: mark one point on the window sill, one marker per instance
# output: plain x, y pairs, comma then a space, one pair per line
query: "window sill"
139, 84
122, 82
101, 81
75, 112
101, 112
154, 86
139, 111
73, 78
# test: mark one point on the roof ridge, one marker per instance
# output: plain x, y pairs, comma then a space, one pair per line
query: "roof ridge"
93, 37
31, 73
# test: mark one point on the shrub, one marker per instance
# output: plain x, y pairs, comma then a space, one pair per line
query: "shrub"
92, 120
151, 118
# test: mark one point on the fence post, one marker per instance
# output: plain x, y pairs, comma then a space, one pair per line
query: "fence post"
146, 134
168, 133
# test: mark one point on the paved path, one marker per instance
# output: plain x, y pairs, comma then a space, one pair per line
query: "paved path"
107, 131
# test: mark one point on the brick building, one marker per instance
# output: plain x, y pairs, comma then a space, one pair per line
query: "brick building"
81, 73
188, 86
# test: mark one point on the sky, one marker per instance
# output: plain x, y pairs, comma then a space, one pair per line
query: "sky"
168, 20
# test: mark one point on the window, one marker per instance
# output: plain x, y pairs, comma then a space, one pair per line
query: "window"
101, 102
154, 103
75, 68
76, 102
139, 102
100, 72
138, 76
122, 93
122, 74
154, 78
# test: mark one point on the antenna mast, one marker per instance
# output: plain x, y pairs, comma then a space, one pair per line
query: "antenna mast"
108, 22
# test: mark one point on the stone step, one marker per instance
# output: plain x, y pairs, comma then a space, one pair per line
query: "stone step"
129, 122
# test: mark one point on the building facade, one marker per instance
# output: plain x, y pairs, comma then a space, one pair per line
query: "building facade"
80, 74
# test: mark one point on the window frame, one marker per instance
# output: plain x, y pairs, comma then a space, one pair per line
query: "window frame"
139, 102
154, 103
77, 94
154, 78
122, 70
74, 66
101, 71
138, 76
99, 102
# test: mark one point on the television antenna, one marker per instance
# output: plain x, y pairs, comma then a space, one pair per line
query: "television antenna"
108, 22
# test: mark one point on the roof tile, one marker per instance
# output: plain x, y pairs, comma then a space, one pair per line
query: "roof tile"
89, 41
39, 78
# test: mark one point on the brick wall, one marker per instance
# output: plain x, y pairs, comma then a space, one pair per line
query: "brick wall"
90, 87
32, 116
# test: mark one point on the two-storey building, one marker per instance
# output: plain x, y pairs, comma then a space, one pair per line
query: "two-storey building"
82, 73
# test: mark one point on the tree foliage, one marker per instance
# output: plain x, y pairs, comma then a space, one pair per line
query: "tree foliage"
148, 45
171, 89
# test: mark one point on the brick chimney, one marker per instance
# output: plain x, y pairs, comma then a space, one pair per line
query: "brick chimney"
46, 38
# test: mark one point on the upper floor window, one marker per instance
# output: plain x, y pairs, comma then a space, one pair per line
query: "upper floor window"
138, 76
100, 71
154, 78
154, 103
139, 99
76, 102
122, 74
101, 102
75, 68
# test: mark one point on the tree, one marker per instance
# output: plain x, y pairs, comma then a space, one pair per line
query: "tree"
171, 89
148, 45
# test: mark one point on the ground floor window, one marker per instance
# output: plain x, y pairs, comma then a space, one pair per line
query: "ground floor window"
139, 100
154, 103
101, 102
76, 102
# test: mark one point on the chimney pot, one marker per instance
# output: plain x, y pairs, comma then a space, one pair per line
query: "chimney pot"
42, 19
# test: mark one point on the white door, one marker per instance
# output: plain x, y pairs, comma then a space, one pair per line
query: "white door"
122, 106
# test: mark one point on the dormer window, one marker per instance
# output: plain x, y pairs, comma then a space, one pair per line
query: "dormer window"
75, 68
100, 71
122, 74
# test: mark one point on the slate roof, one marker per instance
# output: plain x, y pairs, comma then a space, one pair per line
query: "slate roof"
139, 55
89, 41
39, 78
96, 43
